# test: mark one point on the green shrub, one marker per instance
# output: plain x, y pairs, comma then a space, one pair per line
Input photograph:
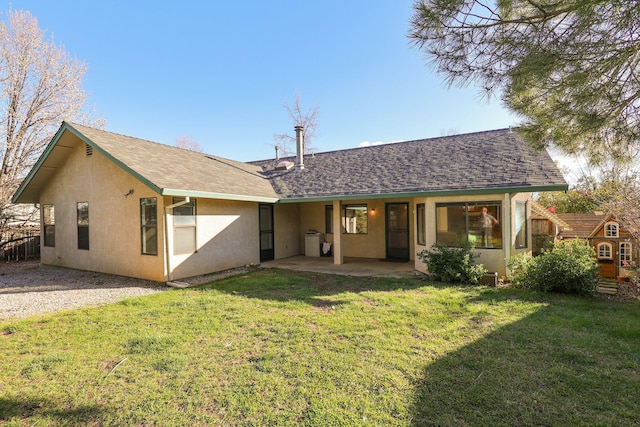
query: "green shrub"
567, 268
519, 266
541, 243
453, 265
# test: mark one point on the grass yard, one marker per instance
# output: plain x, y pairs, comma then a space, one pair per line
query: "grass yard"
287, 348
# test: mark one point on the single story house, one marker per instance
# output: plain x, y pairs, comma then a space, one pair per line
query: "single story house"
122, 205
615, 247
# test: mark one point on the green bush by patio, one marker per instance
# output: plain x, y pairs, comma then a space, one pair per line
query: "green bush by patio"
453, 264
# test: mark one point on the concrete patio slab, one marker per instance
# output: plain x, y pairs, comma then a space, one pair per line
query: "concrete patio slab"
350, 267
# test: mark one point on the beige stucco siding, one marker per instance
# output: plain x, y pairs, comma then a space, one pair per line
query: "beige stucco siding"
286, 225
114, 218
227, 236
369, 245
312, 218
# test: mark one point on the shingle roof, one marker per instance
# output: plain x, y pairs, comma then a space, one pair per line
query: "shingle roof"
175, 171
496, 160
483, 162
582, 225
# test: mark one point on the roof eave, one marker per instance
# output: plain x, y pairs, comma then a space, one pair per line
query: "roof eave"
54, 141
222, 196
34, 170
601, 224
438, 193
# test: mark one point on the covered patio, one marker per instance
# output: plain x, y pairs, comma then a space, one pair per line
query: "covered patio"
350, 267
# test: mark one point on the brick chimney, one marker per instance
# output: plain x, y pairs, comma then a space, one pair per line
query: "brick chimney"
299, 147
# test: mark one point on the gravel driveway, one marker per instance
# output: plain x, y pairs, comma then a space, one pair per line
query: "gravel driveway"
28, 288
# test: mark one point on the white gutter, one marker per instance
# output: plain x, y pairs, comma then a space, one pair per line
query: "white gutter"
167, 214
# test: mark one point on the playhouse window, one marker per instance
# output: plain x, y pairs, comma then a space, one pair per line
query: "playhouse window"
625, 253
611, 229
604, 251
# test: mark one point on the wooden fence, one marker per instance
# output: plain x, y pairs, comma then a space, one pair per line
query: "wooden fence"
23, 244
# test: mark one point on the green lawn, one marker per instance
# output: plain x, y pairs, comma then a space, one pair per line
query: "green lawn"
285, 348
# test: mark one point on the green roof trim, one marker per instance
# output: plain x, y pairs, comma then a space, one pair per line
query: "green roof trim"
439, 193
54, 142
36, 167
223, 196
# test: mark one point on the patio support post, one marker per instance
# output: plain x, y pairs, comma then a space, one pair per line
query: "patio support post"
337, 234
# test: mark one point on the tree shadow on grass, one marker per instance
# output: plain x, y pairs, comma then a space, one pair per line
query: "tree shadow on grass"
546, 369
33, 409
317, 289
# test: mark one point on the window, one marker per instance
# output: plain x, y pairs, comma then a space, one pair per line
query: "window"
49, 222
149, 225
604, 250
355, 219
328, 219
184, 227
477, 222
625, 253
521, 225
611, 229
83, 225
420, 224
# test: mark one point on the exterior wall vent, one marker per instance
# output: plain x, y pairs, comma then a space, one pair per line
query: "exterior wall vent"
88, 150
284, 165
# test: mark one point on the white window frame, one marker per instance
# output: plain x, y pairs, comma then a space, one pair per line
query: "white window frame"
611, 229
522, 225
625, 253
605, 250
185, 222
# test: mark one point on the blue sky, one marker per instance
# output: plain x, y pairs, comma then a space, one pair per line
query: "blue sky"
222, 71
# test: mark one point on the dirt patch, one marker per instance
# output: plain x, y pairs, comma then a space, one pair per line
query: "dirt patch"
628, 291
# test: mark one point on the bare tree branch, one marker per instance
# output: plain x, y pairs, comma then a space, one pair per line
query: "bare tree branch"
40, 86
308, 119
188, 143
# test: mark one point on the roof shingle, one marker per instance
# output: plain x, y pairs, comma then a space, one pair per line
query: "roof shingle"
494, 160
175, 168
